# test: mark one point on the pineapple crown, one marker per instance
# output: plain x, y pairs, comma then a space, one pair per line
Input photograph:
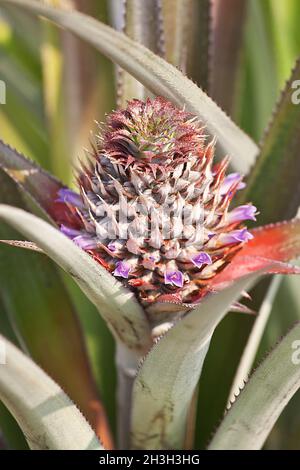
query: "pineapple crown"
153, 207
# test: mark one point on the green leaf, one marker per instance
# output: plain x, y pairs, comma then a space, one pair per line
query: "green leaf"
284, 43
22, 244
47, 417
278, 242
278, 164
23, 46
285, 35
167, 379
43, 316
275, 166
157, 75
9, 428
255, 337
115, 303
10, 431
271, 44
285, 434
258, 86
264, 254
36, 182
77, 84
251, 418
24, 128
101, 349
22, 119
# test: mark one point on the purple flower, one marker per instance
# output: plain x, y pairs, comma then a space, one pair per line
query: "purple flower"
201, 258
174, 278
69, 232
85, 242
235, 236
231, 179
70, 197
122, 269
246, 212
112, 247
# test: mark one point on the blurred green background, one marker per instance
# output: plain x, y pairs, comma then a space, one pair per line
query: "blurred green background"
57, 87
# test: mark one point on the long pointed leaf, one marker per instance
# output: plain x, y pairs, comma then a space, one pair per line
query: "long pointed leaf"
251, 418
31, 178
157, 75
46, 415
278, 163
22, 244
258, 89
167, 379
251, 348
286, 431
258, 85
275, 168
117, 305
9, 428
43, 316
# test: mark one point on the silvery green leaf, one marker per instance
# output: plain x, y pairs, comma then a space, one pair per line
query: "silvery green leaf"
35, 300
255, 337
167, 379
22, 244
118, 306
46, 415
157, 75
249, 421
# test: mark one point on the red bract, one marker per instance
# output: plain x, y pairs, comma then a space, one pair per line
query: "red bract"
272, 246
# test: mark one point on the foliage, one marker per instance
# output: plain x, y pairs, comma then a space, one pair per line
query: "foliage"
116, 359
